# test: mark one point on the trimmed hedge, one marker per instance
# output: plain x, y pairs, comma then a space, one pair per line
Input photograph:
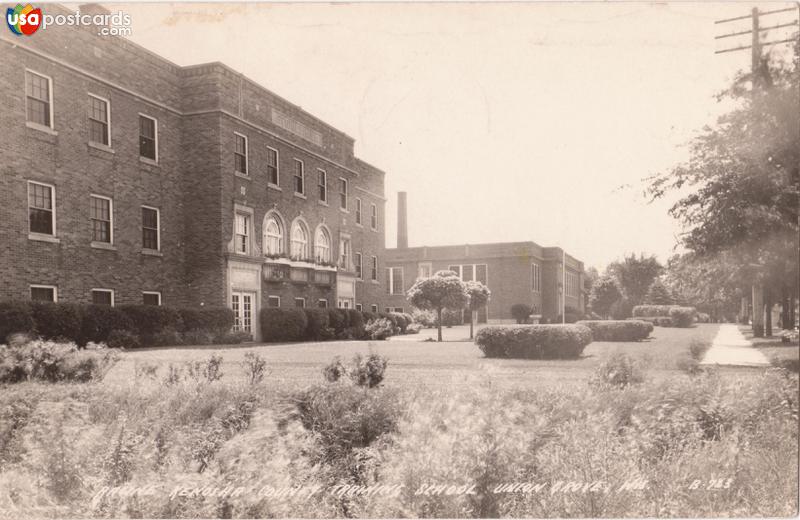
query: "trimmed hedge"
284, 324
15, 317
618, 330
534, 341
658, 321
651, 311
682, 316
666, 315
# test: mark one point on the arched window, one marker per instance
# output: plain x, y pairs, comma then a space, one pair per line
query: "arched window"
322, 245
273, 235
299, 240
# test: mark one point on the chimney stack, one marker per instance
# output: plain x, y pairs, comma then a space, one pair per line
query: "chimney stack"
402, 221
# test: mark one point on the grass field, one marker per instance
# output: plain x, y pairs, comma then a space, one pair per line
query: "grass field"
412, 359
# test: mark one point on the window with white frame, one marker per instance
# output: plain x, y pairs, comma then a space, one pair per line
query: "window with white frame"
358, 266
273, 301
103, 297
374, 308
101, 216
359, 307
39, 98
374, 217
322, 245
358, 211
424, 270
99, 120
322, 303
44, 293
573, 288
300, 302
394, 280
151, 228
242, 233
299, 250
151, 298
536, 278
471, 272
148, 137
374, 269
345, 253
342, 193
273, 176
273, 235
322, 182
299, 177
240, 154
41, 208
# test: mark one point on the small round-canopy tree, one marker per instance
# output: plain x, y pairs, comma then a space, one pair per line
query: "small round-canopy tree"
444, 290
658, 294
605, 293
478, 297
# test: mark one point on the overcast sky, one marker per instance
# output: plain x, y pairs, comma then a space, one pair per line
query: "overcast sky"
503, 122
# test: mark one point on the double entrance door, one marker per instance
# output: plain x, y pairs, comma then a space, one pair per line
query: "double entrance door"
243, 305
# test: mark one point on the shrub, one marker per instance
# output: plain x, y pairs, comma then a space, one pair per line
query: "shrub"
335, 370
619, 330
15, 317
682, 316
356, 321
521, 312
380, 329
400, 320
414, 328
703, 317
255, 368
317, 324
534, 341
658, 321
57, 320
368, 371
337, 319
51, 361
123, 339
231, 337
100, 320
283, 324
166, 337
148, 320
651, 310
346, 417
619, 370
425, 318
198, 337
206, 318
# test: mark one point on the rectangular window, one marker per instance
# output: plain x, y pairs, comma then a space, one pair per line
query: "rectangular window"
374, 217
323, 185
394, 280
467, 273
151, 232
343, 193
322, 303
242, 233
240, 154
374, 273
272, 166
299, 177
39, 95
536, 278
44, 293
273, 301
359, 307
358, 266
374, 308
300, 303
148, 137
101, 217
456, 269
103, 297
99, 120
482, 274
424, 270
41, 208
151, 298
344, 253
358, 211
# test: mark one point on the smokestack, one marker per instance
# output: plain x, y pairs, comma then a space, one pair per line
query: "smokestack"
402, 221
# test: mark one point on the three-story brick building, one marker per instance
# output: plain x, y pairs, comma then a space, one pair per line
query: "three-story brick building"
126, 178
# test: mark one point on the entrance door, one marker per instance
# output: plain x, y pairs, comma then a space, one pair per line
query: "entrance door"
242, 305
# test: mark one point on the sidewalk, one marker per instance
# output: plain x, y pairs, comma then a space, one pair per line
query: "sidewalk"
731, 348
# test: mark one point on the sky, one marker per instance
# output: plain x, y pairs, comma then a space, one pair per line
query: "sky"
502, 121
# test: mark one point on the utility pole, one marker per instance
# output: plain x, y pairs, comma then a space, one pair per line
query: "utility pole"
761, 311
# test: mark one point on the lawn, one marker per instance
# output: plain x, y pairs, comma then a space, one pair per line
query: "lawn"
775, 350
414, 360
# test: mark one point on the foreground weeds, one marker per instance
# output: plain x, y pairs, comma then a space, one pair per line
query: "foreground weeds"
602, 450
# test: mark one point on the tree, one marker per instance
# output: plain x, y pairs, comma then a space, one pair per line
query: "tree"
658, 294
604, 294
521, 312
712, 285
444, 290
478, 297
635, 275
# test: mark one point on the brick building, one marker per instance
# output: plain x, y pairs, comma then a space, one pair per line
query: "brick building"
128, 179
515, 272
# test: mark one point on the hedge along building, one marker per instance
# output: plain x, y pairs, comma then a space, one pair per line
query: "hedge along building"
129, 179
546, 278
